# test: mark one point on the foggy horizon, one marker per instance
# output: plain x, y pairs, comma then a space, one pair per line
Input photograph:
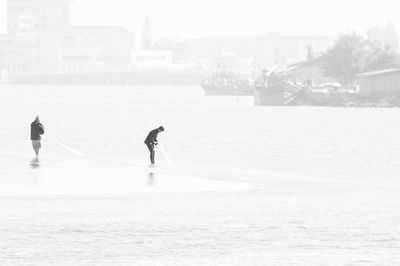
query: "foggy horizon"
187, 133
250, 18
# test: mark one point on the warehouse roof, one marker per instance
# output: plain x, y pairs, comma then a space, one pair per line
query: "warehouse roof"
379, 73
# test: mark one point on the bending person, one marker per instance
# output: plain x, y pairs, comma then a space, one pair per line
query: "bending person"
151, 142
37, 130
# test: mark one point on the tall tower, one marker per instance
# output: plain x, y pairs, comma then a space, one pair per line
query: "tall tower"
26, 17
146, 35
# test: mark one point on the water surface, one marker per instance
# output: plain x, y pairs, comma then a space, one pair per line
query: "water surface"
246, 185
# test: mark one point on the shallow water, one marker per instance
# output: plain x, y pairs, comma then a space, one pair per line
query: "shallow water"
246, 185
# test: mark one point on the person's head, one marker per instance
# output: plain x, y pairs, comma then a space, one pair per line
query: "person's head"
161, 129
37, 119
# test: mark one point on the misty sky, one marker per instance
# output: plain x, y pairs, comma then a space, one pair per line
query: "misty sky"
227, 17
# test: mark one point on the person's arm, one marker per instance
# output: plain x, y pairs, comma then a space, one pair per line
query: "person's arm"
153, 138
155, 141
41, 129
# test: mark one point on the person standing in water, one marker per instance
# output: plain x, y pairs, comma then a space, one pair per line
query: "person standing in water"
37, 130
151, 142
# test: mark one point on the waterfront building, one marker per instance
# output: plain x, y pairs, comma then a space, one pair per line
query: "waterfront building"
379, 84
26, 17
45, 41
7, 54
36, 27
310, 70
152, 60
94, 48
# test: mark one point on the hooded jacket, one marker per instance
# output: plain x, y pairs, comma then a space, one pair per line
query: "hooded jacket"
152, 137
37, 129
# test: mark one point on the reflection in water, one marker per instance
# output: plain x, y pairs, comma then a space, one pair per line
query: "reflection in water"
35, 163
151, 179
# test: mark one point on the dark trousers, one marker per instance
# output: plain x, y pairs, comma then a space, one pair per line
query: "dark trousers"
152, 152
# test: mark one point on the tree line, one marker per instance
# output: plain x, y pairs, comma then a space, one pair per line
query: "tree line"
352, 54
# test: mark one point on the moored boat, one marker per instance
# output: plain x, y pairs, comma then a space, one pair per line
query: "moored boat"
287, 92
238, 87
227, 83
276, 89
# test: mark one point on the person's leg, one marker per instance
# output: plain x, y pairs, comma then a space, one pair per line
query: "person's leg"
39, 145
34, 146
151, 149
152, 155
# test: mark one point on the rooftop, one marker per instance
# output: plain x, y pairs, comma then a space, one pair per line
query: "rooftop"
96, 29
379, 72
307, 63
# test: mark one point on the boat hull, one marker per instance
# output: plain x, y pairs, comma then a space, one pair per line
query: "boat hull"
228, 91
237, 89
287, 94
276, 95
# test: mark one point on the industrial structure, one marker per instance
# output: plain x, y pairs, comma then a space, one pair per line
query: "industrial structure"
383, 84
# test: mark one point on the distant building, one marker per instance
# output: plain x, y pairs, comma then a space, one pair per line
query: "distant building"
92, 48
379, 84
264, 51
7, 44
36, 27
7, 54
44, 40
311, 70
75, 49
147, 40
152, 59
25, 17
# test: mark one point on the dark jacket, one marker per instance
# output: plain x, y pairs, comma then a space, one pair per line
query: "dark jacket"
152, 137
37, 129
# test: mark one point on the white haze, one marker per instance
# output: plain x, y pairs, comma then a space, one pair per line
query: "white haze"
225, 17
